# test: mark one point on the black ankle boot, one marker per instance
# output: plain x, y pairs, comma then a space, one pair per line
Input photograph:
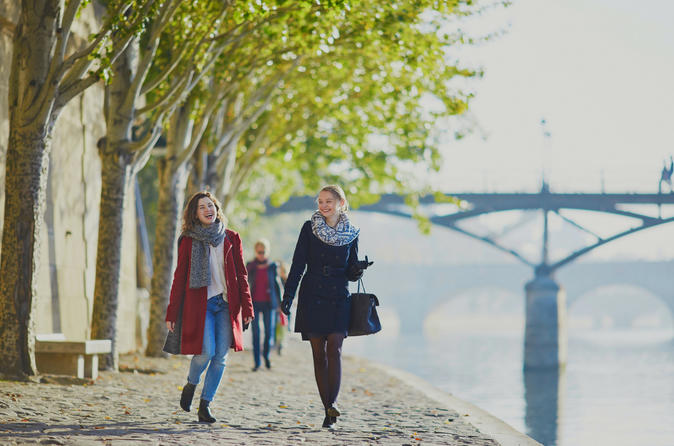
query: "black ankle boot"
205, 413
329, 421
186, 396
333, 411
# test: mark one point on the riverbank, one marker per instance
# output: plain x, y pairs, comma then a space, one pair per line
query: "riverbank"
279, 406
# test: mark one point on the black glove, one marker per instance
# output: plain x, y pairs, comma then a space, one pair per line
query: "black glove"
355, 273
356, 270
286, 304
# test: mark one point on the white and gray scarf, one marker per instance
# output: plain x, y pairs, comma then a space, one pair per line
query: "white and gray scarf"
342, 234
202, 236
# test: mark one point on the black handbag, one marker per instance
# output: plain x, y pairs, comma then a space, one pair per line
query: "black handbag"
364, 318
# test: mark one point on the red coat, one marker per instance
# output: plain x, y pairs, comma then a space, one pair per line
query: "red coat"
194, 308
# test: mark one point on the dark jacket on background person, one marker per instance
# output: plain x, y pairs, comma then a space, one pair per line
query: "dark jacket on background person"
193, 301
324, 302
274, 281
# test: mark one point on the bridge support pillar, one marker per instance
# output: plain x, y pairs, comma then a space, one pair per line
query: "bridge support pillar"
545, 332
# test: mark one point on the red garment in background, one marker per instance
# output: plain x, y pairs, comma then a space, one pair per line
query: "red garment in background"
261, 288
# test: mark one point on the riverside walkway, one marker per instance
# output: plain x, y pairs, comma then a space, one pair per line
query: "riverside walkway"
139, 405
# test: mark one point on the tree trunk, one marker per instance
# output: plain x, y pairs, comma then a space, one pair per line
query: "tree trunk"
224, 174
116, 166
197, 178
116, 173
169, 212
25, 196
31, 122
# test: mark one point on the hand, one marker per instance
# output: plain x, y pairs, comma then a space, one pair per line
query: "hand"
286, 304
171, 326
355, 273
357, 268
363, 264
246, 322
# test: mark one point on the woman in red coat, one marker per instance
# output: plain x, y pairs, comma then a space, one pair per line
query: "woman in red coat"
210, 301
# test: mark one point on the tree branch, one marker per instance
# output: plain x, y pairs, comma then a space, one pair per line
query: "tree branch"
200, 128
169, 97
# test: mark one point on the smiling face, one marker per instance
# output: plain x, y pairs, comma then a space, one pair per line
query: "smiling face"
206, 211
329, 204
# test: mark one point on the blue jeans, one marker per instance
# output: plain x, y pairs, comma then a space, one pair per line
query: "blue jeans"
217, 340
269, 319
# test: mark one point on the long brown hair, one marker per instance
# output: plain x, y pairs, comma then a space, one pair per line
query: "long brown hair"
190, 218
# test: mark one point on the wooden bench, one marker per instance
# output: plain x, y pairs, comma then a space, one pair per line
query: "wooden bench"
55, 355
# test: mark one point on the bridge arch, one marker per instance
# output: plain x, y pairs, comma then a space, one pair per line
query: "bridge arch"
653, 277
484, 308
621, 305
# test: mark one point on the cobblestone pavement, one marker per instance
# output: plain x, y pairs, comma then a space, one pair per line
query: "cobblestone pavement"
279, 406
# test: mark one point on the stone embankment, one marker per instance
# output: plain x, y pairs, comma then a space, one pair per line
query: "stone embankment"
279, 406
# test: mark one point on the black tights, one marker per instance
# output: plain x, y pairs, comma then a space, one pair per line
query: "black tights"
327, 351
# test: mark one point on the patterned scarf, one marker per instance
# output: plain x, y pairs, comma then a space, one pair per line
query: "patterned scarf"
342, 234
202, 236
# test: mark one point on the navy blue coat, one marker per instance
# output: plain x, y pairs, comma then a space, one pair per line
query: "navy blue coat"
324, 303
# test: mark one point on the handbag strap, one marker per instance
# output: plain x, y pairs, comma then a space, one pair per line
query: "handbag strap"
360, 283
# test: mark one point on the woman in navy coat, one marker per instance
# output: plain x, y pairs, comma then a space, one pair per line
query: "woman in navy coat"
325, 259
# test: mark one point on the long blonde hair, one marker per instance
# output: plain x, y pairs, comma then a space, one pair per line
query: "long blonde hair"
190, 218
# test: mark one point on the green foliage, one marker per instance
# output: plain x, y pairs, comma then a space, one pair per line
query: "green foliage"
338, 92
361, 109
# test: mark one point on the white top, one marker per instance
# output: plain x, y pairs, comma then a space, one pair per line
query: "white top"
216, 263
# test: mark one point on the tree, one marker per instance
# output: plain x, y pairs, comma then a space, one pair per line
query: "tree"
362, 111
145, 87
46, 73
253, 31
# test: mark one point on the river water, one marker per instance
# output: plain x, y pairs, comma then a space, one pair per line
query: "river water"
617, 388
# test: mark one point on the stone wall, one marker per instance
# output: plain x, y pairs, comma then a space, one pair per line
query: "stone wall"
68, 240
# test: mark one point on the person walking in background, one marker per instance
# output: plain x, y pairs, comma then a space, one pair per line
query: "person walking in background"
210, 300
282, 321
327, 248
265, 287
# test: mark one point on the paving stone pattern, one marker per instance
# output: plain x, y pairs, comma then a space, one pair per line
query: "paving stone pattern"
279, 406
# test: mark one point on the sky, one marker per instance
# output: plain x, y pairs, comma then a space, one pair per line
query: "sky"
600, 72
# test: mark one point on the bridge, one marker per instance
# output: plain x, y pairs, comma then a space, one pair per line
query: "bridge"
545, 331
579, 279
